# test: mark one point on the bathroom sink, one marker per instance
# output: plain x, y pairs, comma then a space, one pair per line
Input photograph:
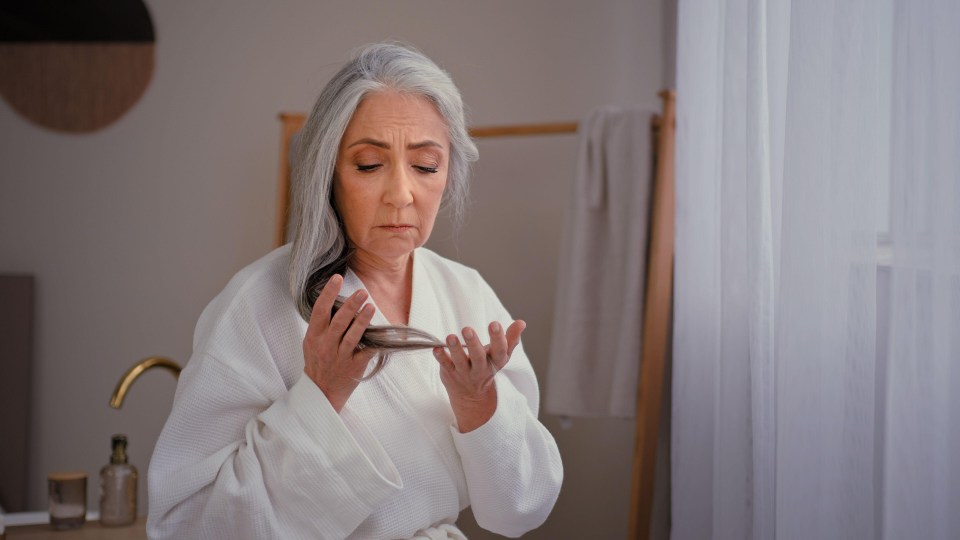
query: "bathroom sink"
28, 518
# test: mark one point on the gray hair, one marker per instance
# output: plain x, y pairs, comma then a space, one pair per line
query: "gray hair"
320, 247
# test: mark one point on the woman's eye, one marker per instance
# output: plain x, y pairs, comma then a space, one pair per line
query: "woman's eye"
425, 169
368, 168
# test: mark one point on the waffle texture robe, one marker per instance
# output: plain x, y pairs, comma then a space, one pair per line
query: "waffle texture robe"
253, 449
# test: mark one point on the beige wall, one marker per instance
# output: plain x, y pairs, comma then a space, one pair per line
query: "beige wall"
133, 229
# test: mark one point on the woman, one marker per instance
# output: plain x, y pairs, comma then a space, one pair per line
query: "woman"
273, 434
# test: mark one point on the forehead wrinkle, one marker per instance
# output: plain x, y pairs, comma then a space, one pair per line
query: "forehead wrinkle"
386, 146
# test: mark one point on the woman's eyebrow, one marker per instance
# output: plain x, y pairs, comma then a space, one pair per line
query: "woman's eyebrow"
424, 144
386, 145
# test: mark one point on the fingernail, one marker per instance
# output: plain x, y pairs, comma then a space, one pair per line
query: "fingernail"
436, 352
468, 333
451, 340
495, 327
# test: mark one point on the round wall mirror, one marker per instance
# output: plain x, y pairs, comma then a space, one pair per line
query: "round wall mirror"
75, 66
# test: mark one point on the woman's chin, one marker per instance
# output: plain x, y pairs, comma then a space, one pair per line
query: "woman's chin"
394, 248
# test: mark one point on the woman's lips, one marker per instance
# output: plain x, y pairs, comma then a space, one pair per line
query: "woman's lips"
397, 228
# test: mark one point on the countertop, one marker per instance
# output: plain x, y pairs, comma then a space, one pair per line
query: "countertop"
91, 530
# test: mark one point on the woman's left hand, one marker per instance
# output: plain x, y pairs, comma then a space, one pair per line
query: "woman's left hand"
467, 371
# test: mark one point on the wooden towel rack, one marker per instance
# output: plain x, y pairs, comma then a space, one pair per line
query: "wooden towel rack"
657, 299
657, 305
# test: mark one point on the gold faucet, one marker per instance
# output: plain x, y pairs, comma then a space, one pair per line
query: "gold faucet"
135, 371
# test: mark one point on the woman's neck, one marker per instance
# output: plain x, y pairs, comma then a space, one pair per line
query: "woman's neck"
389, 282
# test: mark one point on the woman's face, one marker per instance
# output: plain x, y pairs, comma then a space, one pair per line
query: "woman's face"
390, 174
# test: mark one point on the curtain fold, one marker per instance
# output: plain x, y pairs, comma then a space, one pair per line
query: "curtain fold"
760, 273
922, 440
815, 374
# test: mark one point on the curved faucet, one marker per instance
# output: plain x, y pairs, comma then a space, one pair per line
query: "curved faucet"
135, 371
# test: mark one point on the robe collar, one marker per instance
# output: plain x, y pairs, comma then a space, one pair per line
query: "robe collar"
424, 308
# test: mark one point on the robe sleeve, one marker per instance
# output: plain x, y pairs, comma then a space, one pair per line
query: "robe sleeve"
511, 463
243, 456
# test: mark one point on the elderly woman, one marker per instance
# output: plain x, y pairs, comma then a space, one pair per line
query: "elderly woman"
287, 422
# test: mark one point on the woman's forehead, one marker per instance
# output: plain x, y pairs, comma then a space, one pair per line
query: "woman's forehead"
389, 114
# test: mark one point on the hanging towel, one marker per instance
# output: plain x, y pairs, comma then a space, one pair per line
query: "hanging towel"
595, 348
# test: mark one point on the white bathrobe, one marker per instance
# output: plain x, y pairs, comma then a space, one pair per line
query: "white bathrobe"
253, 449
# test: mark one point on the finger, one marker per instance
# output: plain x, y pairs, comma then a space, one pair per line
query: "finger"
353, 335
345, 315
497, 350
457, 354
513, 335
443, 359
320, 316
478, 355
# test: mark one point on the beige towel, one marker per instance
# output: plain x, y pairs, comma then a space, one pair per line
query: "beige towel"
595, 349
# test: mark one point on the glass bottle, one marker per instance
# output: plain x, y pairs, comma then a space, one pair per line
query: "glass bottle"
118, 487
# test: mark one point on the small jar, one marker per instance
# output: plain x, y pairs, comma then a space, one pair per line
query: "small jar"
67, 492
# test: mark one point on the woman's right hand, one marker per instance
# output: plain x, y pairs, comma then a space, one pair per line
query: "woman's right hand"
330, 354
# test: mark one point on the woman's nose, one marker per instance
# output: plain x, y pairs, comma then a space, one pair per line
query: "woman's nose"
399, 188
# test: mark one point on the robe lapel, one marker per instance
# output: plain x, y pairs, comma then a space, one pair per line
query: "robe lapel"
351, 284
424, 306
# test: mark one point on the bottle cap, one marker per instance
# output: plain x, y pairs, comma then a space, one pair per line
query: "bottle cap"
119, 442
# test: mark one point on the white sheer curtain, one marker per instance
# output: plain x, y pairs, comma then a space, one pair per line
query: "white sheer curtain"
816, 386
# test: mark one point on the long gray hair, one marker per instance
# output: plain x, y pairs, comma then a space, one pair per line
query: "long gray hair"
320, 246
